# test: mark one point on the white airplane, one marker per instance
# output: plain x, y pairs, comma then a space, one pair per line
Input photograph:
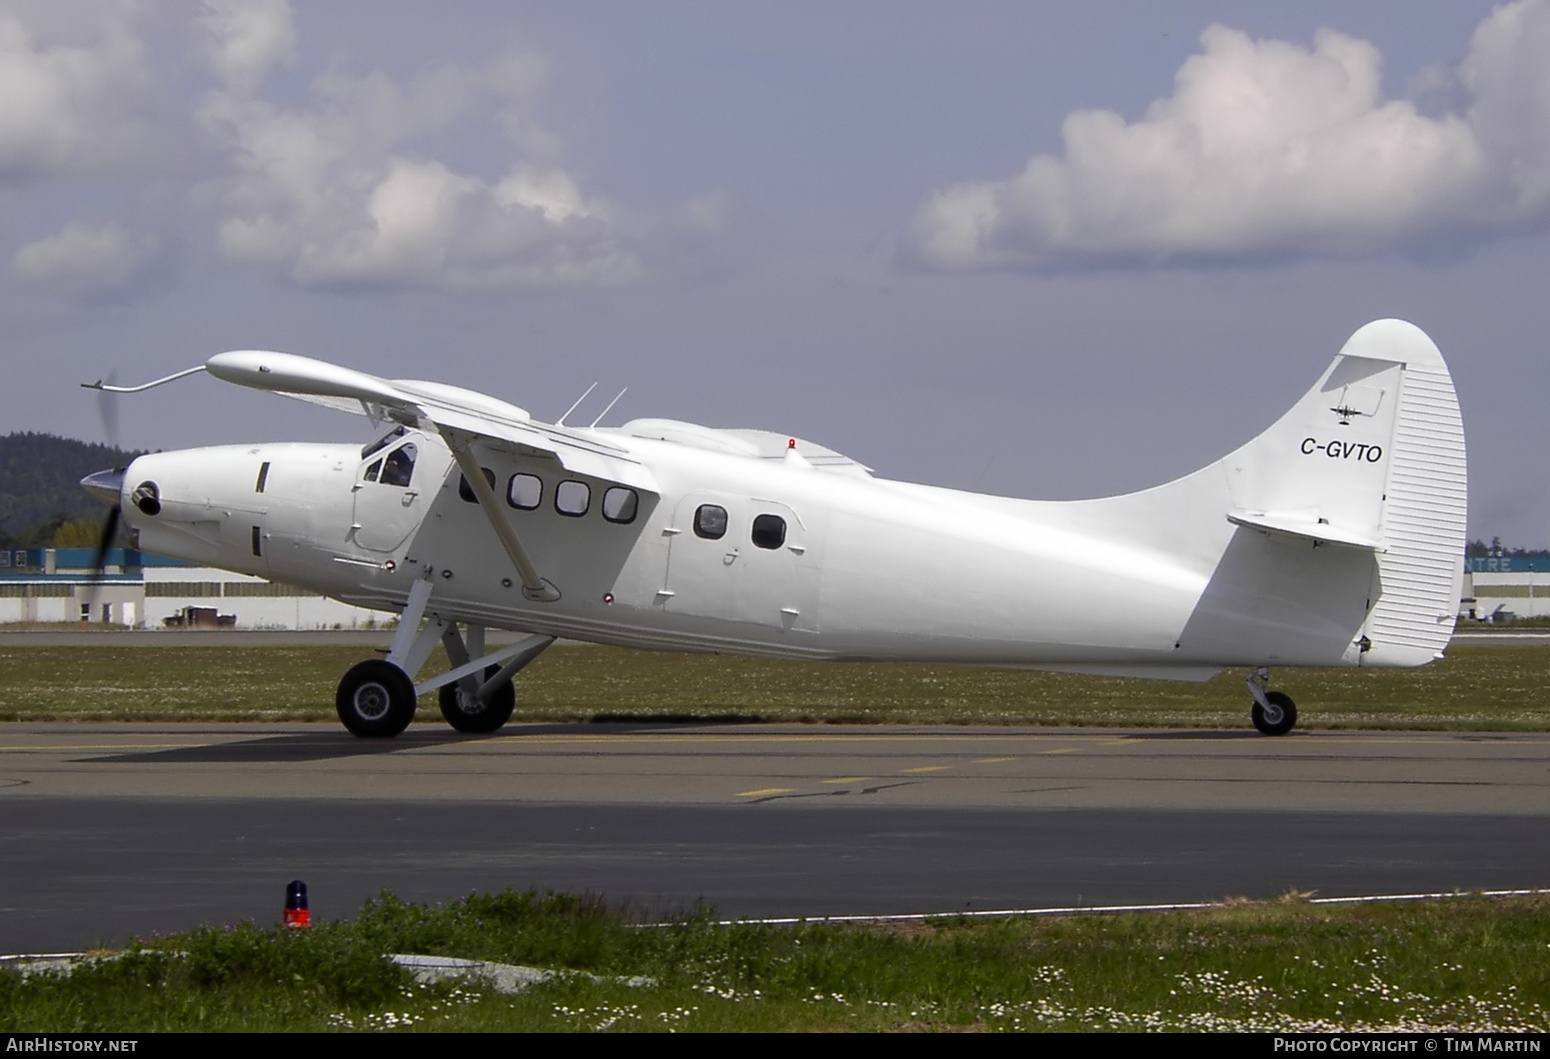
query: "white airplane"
1335, 538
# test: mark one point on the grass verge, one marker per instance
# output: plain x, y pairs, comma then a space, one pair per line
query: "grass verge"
1475, 687
1467, 964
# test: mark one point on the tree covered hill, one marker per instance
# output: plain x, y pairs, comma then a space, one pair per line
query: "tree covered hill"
40, 489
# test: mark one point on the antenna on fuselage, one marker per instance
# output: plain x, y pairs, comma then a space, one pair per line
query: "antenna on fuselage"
560, 422
610, 407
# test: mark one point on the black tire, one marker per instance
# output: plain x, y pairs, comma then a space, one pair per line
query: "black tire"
1280, 718
474, 717
375, 699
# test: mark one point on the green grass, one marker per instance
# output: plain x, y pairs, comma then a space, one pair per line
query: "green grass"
1475, 687
1467, 964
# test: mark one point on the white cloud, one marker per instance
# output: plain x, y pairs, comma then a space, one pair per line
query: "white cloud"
1266, 148
343, 190
1507, 72
72, 90
248, 38
84, 259
366, 179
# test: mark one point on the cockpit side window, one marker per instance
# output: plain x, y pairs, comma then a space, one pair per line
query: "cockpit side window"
372, 471
398, 468
383, 442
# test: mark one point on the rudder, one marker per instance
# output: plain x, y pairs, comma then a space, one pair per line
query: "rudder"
1425, 509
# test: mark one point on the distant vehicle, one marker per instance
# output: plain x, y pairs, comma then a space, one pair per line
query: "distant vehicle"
1332, 539
199, 618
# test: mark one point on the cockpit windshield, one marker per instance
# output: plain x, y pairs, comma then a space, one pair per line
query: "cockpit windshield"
383, 442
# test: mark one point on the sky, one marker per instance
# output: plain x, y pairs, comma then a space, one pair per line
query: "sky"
1046, 250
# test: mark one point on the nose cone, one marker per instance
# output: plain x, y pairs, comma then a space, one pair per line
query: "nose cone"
106, 486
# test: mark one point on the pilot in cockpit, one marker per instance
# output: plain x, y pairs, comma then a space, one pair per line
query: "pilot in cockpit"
399, 466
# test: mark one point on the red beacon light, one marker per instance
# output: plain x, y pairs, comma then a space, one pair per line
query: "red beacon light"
297, 916
791, 443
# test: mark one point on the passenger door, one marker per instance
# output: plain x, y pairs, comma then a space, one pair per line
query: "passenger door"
704, 556
778, 583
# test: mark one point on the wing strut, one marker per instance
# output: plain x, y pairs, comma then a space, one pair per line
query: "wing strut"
533, 586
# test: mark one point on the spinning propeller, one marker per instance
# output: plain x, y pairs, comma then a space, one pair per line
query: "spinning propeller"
107, 486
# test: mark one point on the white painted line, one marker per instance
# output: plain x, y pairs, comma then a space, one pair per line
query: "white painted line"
59, 958
1105, 910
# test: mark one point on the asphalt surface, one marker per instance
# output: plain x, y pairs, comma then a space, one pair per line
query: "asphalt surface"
113, 830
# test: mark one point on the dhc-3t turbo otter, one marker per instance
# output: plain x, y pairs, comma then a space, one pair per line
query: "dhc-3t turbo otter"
1335, 538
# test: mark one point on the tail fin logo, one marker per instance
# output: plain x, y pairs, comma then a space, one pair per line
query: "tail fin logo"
1357, 401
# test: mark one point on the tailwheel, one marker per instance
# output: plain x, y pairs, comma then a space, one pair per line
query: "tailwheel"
1277, 716
375, 699
467, 713
1273, 712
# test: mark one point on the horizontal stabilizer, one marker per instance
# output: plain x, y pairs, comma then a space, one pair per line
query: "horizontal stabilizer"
1307, 526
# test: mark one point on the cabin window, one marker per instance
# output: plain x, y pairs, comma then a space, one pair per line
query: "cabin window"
524, 491
398, 468
710, 522
372, 471
769, 531
383, 442
620, 505
466, 491
572, 498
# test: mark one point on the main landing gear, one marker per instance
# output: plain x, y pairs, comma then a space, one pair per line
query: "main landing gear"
376, 699
467, 712
1273, 712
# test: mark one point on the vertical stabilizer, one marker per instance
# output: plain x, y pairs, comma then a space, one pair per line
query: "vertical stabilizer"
1348, 518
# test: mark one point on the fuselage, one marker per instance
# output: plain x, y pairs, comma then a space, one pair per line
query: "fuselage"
732, 553
1334, 537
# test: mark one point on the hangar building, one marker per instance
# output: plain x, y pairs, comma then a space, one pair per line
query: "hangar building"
142, 590
1505, 587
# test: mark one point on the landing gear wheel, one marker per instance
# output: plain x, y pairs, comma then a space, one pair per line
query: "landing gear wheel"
468, 714
375, 699
1279, 718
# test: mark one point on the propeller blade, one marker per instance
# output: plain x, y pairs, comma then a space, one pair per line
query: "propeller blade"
109, 531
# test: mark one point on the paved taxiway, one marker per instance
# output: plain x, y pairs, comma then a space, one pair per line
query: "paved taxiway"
114, 829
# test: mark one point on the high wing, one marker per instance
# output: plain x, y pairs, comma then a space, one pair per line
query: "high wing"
461, 416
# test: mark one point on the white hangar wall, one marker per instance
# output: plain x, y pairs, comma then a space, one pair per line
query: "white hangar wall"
49, 585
